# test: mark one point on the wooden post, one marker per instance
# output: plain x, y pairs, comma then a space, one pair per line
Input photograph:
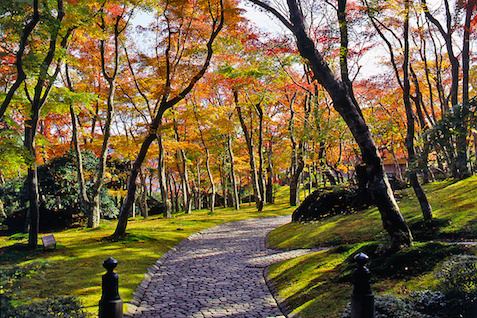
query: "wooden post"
362, 298
110, 305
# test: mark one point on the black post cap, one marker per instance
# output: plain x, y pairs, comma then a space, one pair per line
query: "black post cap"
110, 264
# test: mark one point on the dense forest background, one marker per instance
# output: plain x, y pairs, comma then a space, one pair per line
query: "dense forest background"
104, 117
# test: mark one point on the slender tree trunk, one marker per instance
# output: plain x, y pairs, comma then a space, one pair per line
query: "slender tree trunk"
94, 213
469, 9
261, 179
378, 186
343, 22
232, 174
143, 196
421, 196
253, 167
224, 182
211, 180
199, 192
270, 176
161, 169
165, 104
184, 174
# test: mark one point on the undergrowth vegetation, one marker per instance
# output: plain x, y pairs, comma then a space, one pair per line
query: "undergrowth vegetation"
429, 279
74, 267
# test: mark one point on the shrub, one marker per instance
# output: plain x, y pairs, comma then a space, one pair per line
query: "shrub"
390, 306
428, 301
61, 306
458, 279
459, 275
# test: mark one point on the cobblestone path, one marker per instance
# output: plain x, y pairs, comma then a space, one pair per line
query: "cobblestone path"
218, 272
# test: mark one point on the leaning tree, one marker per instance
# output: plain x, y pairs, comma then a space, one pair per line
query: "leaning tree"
348, 108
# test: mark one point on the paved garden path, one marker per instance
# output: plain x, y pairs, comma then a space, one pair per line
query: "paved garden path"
218, 272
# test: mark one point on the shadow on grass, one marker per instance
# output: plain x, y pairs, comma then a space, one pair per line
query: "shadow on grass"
407, 263
325, 279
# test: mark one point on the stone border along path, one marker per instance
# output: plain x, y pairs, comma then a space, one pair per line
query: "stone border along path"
218, 272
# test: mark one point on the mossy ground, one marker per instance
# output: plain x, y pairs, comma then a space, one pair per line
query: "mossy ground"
74, 267
318, 285
315, 285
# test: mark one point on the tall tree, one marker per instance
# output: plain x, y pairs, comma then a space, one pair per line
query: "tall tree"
405, 85
169, 99
250, 146
21, 76
420, 194
58, 36
378, 185
459, 166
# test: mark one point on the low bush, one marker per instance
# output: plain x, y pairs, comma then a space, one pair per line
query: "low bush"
421, 305
62, 306
326, 202
459, 275
458, 279
59, 306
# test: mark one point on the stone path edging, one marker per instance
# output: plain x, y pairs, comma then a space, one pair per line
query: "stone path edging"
218, 272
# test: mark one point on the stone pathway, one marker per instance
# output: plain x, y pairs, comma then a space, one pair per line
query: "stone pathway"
218, 272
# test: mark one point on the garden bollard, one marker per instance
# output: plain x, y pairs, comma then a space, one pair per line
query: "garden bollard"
110, 305
362, 299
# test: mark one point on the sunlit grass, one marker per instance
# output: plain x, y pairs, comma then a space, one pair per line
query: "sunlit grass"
314, 285
311, 284
74, 268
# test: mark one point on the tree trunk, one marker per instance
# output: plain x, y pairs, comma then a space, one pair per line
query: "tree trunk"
232, 174
270, 176
184, 174
253, 168
161, 169
143, 196
211, 180
199, 192
421, 196
378, 186
469, 9
344, 50
261, 179
295, 180
223, 178
131, 186
94, 215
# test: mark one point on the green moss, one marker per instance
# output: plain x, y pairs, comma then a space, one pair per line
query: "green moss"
75, 266
319, 285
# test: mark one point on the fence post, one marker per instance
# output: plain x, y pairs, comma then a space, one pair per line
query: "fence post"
362, 298
110, 305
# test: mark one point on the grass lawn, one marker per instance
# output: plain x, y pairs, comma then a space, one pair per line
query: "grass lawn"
74, 268
318, 285
315, 285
